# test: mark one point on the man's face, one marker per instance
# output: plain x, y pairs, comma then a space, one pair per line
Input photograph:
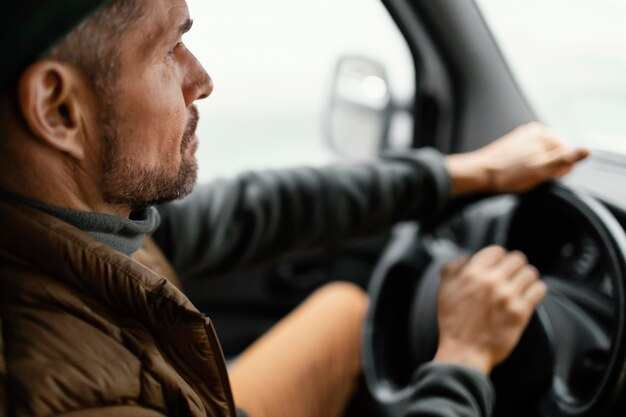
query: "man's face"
147, 119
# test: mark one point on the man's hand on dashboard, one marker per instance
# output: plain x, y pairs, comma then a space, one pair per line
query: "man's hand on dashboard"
520, 160
485, 304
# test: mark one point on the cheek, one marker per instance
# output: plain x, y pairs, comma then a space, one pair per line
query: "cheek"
161, 137
155, 119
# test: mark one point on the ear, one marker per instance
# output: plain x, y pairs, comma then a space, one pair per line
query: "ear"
48, 94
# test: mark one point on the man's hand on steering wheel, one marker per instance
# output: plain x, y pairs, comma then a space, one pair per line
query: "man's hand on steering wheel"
520, 160
485, 304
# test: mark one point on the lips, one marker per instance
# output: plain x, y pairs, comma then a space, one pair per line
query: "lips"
189, 136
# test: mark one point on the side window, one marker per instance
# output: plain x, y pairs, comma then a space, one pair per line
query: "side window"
272, 63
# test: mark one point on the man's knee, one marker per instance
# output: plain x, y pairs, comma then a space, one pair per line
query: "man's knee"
344, 298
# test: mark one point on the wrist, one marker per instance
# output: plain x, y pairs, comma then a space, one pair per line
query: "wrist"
468, 174
464, 356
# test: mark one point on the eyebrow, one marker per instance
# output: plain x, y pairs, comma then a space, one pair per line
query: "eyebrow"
185, 27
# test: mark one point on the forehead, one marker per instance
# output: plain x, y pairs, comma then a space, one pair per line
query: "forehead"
160, 18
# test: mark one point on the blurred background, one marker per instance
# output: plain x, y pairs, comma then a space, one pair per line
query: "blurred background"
273, 61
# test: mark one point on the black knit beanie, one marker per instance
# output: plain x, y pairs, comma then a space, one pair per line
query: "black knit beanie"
31, 28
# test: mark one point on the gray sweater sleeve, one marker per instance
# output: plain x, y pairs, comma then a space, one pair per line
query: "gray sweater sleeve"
441, 390
258, 216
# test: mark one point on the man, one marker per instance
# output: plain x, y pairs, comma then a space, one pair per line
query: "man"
97, 127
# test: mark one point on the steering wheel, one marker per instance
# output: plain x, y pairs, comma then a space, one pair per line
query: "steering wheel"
571, 359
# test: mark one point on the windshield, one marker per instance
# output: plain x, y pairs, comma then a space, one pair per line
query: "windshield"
569, 57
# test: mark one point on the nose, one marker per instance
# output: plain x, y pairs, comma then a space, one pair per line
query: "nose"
199, 84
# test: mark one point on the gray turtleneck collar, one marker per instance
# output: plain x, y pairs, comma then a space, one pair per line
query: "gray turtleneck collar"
124, 235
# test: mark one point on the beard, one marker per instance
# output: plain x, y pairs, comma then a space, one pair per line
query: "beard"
126, 183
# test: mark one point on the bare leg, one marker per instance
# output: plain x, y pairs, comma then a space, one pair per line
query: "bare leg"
308, 364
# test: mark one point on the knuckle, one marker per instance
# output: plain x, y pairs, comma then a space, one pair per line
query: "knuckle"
471, 270
503, 297
468, 275
532, 272
491, 287
541, 289
519, 257
495, 250
495, 278
519, 314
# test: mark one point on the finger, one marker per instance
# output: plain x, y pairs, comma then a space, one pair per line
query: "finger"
562, 172
564, 158
583, 153
453, 267
488, 256
535, 293
510, 264
524, 278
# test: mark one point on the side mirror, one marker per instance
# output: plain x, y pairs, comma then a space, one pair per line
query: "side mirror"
359, 116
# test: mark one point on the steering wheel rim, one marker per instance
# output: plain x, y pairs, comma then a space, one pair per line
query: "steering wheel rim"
412, 263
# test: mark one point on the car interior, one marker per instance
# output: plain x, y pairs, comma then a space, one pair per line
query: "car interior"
466, 91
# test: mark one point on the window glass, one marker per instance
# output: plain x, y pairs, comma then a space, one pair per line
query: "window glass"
569, 57
272, 63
